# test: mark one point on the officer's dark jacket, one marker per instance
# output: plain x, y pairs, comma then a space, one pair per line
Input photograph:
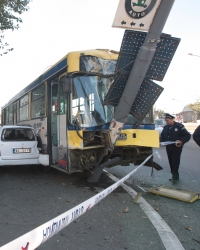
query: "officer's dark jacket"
177, 132
196, 135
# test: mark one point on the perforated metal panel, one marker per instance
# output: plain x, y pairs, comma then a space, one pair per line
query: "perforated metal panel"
147, 95
145, 99
131, 43
115, 92
149, 91
165, 51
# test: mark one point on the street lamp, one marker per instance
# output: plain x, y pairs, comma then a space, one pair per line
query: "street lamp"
190, 54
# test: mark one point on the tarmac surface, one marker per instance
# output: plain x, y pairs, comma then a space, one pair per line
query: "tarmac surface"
182, 217
30, 198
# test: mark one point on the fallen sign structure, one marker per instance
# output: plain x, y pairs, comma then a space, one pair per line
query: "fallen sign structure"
175, 193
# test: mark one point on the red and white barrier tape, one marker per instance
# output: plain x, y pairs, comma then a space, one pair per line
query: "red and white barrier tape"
39, 235
165, 143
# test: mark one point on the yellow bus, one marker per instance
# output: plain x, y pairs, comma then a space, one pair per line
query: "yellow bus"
65, 106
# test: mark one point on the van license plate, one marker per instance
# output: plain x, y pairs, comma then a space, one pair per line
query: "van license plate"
21, 150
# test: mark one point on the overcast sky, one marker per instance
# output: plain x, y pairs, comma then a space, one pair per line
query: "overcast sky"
51, 29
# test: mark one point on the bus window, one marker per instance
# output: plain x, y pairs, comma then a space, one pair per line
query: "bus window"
62, 98
6, 116
10, 114
17, 106
54, 110
24, 108
14, 113
2, 117
38, 102
87, 100
54, 101
91, 100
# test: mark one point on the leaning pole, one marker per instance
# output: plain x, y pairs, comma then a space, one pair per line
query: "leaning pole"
137, 74
140, 67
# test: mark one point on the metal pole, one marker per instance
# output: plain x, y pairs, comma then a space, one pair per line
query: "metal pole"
140, 67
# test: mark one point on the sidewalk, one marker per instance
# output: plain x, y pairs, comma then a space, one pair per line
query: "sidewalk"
191, 126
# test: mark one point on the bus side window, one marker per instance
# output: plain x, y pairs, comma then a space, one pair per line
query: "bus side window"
62, 98
38, 101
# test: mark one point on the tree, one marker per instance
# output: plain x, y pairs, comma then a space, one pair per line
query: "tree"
159, 113
196, 107
10, 11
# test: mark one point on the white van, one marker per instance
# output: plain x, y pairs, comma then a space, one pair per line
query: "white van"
18, 146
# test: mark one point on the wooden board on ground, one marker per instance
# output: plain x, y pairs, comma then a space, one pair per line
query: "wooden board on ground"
179, 194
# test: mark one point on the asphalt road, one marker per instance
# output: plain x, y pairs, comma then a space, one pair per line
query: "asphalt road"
30, 198
182, 217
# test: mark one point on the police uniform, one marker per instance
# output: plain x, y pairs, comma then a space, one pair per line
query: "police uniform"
173, 133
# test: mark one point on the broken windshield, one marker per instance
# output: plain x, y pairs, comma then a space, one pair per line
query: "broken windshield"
88, 94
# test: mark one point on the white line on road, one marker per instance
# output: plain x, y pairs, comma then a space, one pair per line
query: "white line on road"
166, 234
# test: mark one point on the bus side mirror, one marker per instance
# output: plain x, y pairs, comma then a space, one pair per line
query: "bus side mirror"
67, 86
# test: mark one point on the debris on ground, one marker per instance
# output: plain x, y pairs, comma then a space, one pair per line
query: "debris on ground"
126, 210
196, 240
175, 193
137, 198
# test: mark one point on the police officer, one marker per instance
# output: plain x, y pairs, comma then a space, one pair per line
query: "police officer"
176, 132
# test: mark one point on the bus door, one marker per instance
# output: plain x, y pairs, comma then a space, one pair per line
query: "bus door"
61, 122
54, 121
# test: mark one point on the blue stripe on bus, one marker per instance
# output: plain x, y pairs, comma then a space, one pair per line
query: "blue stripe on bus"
106, 127
147, 126
143, 126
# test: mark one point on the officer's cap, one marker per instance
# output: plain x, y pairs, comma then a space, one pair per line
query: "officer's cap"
169, 116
